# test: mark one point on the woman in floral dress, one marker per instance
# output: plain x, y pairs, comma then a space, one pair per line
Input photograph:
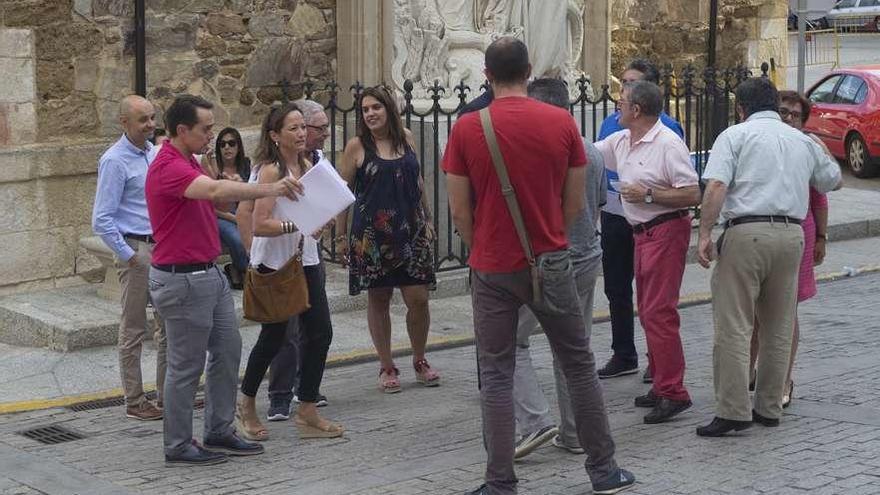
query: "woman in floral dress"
391, 237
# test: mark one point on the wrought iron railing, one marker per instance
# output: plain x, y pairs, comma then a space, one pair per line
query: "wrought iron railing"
701, 100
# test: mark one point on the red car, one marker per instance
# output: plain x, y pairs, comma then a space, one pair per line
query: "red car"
846, 116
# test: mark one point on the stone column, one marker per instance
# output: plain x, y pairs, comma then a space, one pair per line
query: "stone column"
364, 36
596, 58
769, 37
18, 121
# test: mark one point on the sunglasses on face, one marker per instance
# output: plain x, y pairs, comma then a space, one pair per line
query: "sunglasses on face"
231, 144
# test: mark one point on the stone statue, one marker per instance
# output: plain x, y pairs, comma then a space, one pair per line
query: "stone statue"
444, 40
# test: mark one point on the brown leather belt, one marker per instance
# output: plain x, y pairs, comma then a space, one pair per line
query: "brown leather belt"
644, 227
141, 237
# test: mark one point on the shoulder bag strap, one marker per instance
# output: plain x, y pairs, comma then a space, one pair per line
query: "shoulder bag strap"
509, 195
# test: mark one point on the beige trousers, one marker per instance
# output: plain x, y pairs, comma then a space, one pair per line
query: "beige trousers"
755, 279
133, 325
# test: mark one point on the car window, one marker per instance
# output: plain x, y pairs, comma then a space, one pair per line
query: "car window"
847, 90
844, 4
869, 3
861, 94
824, 92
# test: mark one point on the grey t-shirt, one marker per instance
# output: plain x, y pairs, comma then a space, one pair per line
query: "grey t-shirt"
583, 238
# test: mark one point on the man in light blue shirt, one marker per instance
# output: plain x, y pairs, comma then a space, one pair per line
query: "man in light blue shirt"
618, 247
120, 218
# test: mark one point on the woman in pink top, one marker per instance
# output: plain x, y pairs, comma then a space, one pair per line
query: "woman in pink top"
794, 110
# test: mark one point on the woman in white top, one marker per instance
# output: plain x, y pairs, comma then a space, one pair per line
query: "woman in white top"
281, 153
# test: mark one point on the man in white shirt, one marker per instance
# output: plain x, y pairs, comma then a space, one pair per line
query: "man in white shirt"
756, 179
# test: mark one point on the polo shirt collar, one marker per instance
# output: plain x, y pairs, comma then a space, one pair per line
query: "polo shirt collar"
190, 159
129, 146
766, 114
652, 133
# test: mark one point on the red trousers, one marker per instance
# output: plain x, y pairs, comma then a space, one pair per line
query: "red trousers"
660, 255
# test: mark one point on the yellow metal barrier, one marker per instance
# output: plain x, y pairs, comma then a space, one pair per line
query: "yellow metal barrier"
822, 48
855, 23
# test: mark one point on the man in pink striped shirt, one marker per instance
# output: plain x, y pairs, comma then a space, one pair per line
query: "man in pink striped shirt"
657, 185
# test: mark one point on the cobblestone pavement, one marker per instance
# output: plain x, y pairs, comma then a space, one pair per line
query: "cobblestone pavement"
428, 440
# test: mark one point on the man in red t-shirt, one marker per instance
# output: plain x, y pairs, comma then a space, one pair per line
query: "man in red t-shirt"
190, 292
545, 160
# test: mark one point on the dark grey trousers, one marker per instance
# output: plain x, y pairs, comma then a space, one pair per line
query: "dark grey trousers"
497, 298
200, 320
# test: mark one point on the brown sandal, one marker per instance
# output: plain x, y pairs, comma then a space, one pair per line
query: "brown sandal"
256, 432
309, 430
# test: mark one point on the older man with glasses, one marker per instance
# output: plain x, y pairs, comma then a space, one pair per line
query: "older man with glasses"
657, 184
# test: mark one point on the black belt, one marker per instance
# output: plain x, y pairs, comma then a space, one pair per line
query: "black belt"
761, 219
195, 267
140, 237
643, 227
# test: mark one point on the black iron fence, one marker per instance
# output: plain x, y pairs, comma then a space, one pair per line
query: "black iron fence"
701, 100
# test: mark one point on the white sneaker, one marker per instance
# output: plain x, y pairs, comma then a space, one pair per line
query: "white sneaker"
532, 441
557, 442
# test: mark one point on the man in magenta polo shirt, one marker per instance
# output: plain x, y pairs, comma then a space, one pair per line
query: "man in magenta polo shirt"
545, 161
657, 184
190, 292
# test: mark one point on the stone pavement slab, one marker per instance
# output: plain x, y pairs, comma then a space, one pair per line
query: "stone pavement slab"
37, 375
429, 441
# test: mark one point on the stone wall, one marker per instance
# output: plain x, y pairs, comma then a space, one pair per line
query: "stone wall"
675, 31
226, 50
65, 64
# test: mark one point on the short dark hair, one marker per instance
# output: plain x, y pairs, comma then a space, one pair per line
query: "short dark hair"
646, 95
757, 94
507, 59
549, 90
652, 74
184, 111
789, 96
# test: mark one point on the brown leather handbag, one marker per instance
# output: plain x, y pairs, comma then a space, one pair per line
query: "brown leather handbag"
276, 296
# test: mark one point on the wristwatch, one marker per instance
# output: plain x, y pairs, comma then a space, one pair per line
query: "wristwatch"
649, 196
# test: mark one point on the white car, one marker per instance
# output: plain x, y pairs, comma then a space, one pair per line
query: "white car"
855, 15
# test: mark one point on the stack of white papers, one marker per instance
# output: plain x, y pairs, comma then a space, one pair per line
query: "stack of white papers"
325, 195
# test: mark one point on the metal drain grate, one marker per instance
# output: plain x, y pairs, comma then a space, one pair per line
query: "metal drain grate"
98, 404
52, 434
105, 403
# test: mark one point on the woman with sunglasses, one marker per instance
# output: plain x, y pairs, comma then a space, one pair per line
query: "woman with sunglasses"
795, 110
229, 162
390, 244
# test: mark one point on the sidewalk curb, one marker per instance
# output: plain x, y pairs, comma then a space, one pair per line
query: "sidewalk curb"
367, 355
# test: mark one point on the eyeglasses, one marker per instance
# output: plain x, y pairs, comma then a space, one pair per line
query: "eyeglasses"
322, 128
786, 113
231, 144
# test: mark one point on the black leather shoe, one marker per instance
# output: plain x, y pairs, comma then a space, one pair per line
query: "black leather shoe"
719, 426
647, 400
665, 409
482, 490
195, 456
233, 445
763, 420
617, 367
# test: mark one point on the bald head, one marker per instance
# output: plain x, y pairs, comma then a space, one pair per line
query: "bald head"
138, 119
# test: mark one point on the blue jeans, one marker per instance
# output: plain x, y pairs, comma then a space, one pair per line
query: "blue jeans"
230, 238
